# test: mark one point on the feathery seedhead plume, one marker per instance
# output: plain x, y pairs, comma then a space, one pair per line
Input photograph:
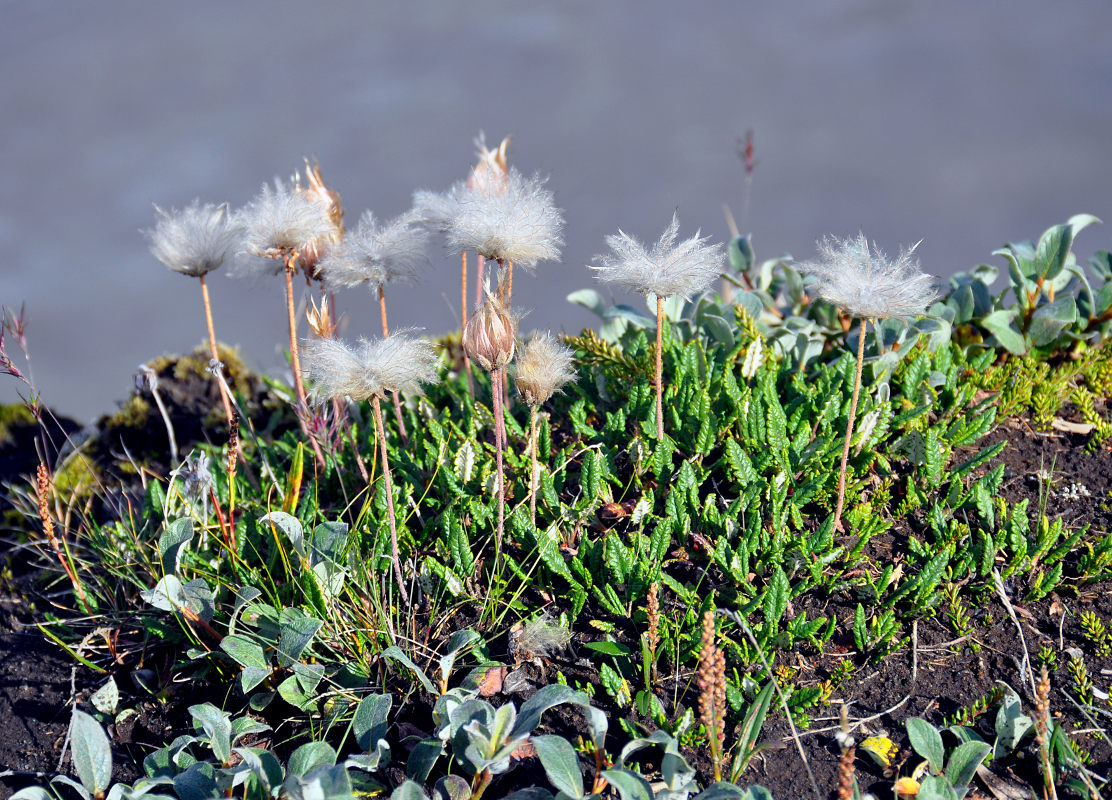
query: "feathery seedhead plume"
196, 479
438, 210
541, 637
491, 173
491, 334
196, 239
280, 222
866, 284
398, 363
329, 201
320, 319
376, 254
518, 223
667, 270
543, 367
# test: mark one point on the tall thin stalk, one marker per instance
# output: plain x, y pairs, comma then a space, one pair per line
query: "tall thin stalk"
396, 397
295, 361
849, 428
496, 378
215, 354
659, 368
394, 553
534, 472
463, 323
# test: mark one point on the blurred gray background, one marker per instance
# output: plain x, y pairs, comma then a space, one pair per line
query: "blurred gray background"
964, 124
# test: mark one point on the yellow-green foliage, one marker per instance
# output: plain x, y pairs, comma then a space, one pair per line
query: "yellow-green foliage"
77, 476
14, 416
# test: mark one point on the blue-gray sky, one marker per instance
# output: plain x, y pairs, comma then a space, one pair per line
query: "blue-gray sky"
961, 124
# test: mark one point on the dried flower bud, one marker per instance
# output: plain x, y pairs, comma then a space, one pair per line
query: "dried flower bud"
196, 479
491, 173
320, 320
491, 334
327, 199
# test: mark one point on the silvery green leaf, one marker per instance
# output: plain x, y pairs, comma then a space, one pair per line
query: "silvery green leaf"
751, 303
246, 652
309, 757
999, 324
287, 524
33, 793
198, 783
464, 461
92, 753
217, 727
590, 300
964, 761
371, 719
107, 697
422, 758
175, 536
166, 595
935, 788
740, 251
70, 782
631, 315
678, 774
395, 653
927, 742
244, 595
1051, 319
297, 630
1011, 723
561, 764
330, 578
629, 784
199, 599
263, 765
728, 791
409, 790
328, 542
460, 641
722, 331
452, 787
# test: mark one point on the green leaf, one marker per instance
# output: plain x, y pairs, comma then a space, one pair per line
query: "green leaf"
964, 761
927, 742
173, 540
561, 764
1051, 319
310, 756
396, 654
629, 784
999, 324
244, 651
297, 631
776, 600
371, 720
92, 753
287, 524
217, 728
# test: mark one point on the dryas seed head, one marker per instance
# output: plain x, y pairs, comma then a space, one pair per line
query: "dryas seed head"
491, 334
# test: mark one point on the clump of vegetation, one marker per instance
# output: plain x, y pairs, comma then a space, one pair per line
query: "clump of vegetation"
434, 567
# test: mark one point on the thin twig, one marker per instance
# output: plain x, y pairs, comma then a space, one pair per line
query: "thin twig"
1025, 667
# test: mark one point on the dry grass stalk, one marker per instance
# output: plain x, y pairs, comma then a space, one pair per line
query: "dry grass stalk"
712, 693
1042, 730
42, 490
654, 626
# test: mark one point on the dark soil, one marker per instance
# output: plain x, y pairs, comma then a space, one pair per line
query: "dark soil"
937, 676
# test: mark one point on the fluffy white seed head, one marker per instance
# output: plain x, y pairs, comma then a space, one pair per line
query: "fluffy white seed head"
376, 254
544, 366
866, 284
282, 221
194, 240
436, 210
518, 222
541, 637
399, 363
666, 270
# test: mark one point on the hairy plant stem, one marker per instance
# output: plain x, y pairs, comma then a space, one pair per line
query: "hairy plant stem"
394, 554
397, 399
295, 362
499, 437
215, 354
534, 471
463, 324
659, 368
165, 420
479, 274
849, 428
